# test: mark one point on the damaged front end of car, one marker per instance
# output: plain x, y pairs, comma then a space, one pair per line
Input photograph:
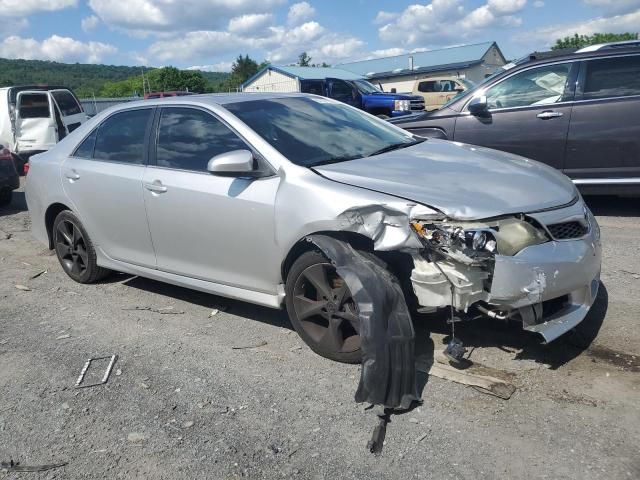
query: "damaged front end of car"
540, 268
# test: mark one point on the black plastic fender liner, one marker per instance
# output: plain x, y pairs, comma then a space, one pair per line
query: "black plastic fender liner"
388, 375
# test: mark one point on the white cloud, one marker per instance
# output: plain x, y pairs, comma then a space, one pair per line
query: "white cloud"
443, 21
253, 24
56, 48
175, 16
89, 23
387, 52
614, 6
299, 12
538, 4
506, 7
615, 24
18, 8
385, 17
280, 44
216, 67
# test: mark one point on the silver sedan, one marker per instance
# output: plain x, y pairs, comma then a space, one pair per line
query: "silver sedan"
228, 194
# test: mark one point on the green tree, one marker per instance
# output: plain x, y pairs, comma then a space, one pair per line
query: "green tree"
304, 60
581, 41
243, 68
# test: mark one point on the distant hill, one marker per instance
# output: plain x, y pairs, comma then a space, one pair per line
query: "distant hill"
84, 79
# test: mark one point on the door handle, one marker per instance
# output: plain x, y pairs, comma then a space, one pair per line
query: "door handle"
549, 114
72, 175
155, 187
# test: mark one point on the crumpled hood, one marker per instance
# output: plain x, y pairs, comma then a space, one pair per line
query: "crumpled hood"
463, 181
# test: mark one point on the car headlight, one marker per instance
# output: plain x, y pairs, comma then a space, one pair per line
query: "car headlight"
592, 222
507, 236
402, 105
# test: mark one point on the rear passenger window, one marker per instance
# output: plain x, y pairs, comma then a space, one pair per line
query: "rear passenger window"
85, 149
189, 138
120, 138
612, 77
427, 87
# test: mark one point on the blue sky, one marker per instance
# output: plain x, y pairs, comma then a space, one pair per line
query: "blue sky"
211, 33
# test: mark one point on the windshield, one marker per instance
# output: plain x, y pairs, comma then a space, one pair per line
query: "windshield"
366, 87
314, 131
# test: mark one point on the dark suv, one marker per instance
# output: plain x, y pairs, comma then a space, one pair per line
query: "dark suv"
9, 179
579, 113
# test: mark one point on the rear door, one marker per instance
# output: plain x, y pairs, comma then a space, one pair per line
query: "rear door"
35, 127
71, 113
604, 136
528, 114
103, 179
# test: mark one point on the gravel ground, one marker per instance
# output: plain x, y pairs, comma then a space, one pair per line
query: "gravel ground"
183, 403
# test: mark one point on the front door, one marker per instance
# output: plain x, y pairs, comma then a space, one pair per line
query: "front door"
103, 179
343, 92
528, 114
35, 127
204, 226
604, 136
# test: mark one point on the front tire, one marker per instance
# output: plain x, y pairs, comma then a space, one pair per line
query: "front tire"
75, 250
322, 310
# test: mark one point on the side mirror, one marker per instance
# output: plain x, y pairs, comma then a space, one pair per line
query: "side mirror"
478, 105
237, 163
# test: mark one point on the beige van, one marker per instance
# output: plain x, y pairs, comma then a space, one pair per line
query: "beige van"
437, 91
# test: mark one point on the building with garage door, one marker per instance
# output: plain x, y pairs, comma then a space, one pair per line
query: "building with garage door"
471, 62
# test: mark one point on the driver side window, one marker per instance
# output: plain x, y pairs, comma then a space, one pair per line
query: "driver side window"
188, 138
340, 89
538, 86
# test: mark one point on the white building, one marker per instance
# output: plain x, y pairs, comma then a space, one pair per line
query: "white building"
288, 79
472, 62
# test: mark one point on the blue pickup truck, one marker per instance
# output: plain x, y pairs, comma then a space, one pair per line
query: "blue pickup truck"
364, 95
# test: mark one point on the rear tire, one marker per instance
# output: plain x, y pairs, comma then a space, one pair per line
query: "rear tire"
5, 197
321, 309
74, 249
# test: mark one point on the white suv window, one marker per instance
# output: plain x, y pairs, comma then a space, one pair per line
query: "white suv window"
538, 86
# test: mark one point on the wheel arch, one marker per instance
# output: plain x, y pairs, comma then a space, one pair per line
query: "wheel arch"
356, 240
49, 217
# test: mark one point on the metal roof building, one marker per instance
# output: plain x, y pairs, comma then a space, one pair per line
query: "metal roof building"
473, 62
285, 79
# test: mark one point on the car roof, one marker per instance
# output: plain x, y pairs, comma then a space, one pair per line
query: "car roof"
579, 56
210, 99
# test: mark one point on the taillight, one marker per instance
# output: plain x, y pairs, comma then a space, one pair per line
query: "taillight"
5, 154
26, 168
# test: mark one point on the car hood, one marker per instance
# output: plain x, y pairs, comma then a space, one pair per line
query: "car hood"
462, 181
392, 96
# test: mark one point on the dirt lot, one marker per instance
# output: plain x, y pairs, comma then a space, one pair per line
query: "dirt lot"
182, 403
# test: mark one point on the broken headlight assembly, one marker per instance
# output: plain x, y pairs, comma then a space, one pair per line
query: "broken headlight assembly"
479, 241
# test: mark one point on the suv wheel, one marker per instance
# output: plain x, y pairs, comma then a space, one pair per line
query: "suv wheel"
75, 250
5, 197
321, 309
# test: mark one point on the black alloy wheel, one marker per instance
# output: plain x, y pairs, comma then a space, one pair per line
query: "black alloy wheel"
71, 248
322, 309
75, 250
